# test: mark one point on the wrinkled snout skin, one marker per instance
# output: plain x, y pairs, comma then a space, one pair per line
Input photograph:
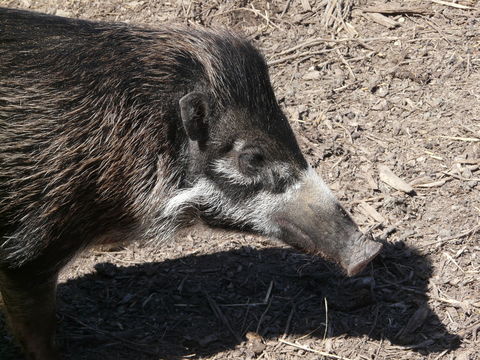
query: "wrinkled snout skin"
314, 221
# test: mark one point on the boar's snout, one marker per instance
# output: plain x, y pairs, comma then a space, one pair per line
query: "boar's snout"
363, 250
314, 221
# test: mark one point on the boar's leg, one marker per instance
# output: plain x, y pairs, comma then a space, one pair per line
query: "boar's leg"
29, 298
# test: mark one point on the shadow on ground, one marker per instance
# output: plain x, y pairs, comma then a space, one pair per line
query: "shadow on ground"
179, 307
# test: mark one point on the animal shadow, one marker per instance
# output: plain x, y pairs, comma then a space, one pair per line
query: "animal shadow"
201, 305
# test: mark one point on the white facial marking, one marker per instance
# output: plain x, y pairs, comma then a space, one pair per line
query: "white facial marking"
317, 188
238, 145
259, 210
230, 171
274, 172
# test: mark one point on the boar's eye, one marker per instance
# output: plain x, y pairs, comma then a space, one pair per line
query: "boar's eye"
250, 160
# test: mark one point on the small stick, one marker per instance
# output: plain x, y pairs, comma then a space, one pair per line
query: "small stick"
269, 292
441, 354
258, 13
125, 342
459, 138
396, 10
263, 316
346, 64
326, 319
381, 19
457, 303
460, 177
285, 9
306, 348
289, 320
128, 262
438, 29
449, 257
459, 236
432, 184
318, 41
294, 56
243, 305
458, 6
218, 312
375, 198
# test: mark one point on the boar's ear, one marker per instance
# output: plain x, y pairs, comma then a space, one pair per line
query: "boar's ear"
194, 110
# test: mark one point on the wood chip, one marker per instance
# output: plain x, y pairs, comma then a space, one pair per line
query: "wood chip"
371, 181
389, 178
382, 20
417, 320
306, 5
371, 212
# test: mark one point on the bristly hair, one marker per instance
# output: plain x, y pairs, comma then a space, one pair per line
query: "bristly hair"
235, 71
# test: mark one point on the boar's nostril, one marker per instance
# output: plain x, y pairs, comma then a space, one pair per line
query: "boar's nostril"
362, 252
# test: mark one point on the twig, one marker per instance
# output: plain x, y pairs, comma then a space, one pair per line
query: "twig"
258, 13
285, 9
218, 312
449, 257
396, 10
342, 58
243, 305
372, 199
438, 29
253, 10
294, 56
317, 41
457, 303
269, 292
458, 6
432, 184
381, 19
460, 177
459, 138
289, 320
125, 342
306, 348
452, 69
129, 262
326, 319
441, 354
263, 316
268, 298
459, 236
371, 212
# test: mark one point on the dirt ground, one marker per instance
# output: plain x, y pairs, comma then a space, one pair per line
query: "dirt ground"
365, 85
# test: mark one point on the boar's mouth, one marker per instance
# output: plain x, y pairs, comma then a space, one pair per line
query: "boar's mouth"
296, 236
352, 254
